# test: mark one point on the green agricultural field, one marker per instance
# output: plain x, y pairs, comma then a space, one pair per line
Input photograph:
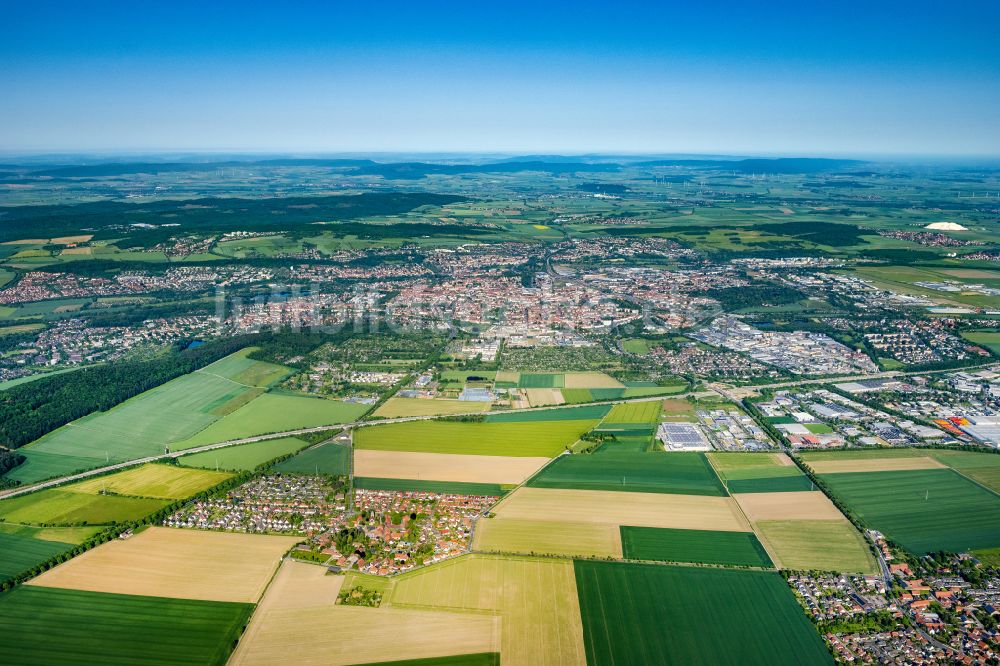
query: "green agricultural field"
55, 626
153, 480
20, 553
633, 412
276, 412
394, 407
457, 487
825, 545
588, 413
578, 396
245, 457
678, 473
697, 546
659, 614
541, 380
140, 427
59, 506
922, 510
758, 473
983, 468
333, 459
530, 438
249, 372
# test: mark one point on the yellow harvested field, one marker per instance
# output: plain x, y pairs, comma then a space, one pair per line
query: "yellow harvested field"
186, 564
444, 466
546, 537
874, 465
540, 397
591, 380
152, 480
77, 250
536, 598
27, 241
692, 512
69, 240
296, 623
396, 407
804, 505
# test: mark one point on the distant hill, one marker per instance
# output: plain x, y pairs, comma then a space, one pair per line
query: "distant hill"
761, 165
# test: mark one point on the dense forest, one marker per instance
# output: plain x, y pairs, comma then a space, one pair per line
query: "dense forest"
108, 218
736, 298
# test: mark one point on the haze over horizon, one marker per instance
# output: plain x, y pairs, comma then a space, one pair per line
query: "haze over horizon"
723, 78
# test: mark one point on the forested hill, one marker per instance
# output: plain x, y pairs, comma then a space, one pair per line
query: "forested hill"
207, 214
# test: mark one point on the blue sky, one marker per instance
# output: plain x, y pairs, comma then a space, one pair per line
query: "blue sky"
830, 78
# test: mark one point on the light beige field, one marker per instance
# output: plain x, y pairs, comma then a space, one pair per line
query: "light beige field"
536, 599
694, 512
444, 466
78, 250
783, 459
591, 380
67, 240
540, 397
805, 505
505, 376
27, 241
395, 407
874, 465
298, 621
355, 635
546, 537
186, 564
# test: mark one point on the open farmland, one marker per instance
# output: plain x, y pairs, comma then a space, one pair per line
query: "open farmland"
624, 508
682, 473
922, 510
142, 426
56, 626
19, 553
759, 472
245, 457
584, 413
276, 412
395, 407
698, 546
328, 458
874, 464
534, 380
806, 505
188, 564
445, 466
984, 468
656, 614
519, 439
826, 545
547, 537
298, 614
588, 380
153, 480
536, 600
633, 413
62, 506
